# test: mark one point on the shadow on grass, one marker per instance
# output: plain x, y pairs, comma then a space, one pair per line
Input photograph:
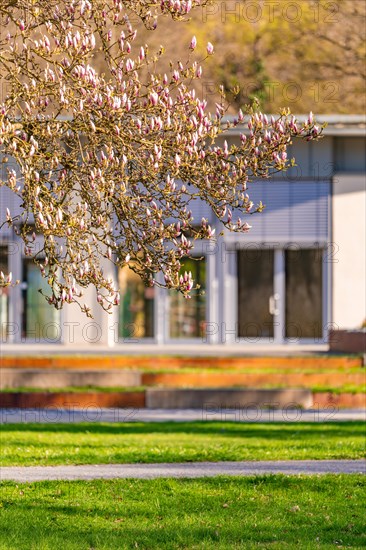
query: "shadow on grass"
274, 430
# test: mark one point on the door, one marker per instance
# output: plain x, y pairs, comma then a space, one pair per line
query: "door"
41, 322
3, 295
281, 296
304, 294
136, 310
187, 317
256, 296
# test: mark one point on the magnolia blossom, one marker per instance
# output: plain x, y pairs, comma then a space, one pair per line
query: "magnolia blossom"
108, 162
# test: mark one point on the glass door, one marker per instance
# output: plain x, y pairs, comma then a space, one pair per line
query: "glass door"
40, 320
3, 295
136, 310
257, 301
280, 296
304, 294
187, 317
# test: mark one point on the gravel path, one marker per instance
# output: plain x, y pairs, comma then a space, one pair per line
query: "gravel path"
56, 415
187, 470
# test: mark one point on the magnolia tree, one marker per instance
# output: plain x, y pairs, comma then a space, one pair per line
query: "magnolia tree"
108, 162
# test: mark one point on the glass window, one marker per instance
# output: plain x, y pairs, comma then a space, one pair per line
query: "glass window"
3, 294
188, 316
136, 311
255, 288
41, 321
304, 293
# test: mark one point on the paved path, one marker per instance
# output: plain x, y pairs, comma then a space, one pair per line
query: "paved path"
56, 415
135, 347
187, 470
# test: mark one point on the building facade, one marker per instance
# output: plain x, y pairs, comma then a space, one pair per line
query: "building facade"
296, 276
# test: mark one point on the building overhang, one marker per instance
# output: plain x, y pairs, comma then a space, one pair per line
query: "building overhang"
337, 125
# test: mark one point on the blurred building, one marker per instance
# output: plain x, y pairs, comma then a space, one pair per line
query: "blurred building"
296, 276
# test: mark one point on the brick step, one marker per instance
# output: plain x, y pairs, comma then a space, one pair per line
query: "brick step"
213, 402
57, 378
151, 362
333, 401
222, 379
71, 401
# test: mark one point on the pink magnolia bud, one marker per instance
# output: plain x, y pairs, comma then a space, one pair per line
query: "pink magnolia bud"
92, 41
193, 43
154, 98
210, 48
129, 65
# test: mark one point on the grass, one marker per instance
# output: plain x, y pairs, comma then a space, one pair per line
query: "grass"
346, 388
252, 370
279, 512
97, 443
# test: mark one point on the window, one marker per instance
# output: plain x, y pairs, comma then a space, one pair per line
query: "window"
4, 306
136, 311
40, 320
188, 316
304, 293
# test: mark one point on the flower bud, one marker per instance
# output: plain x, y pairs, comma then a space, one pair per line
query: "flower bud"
193, 43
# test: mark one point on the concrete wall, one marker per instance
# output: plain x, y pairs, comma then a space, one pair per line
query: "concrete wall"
348, 250
102, 329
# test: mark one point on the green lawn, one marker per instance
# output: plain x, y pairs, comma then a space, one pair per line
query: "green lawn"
93, 443
345, 388
279, 512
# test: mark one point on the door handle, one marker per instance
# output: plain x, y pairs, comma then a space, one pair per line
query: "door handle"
273, 309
